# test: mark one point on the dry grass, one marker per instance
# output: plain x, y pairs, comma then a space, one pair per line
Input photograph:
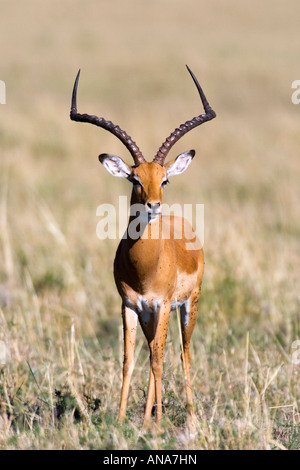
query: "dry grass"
59, 309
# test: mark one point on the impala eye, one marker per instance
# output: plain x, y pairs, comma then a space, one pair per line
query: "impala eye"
164, 183
136, 182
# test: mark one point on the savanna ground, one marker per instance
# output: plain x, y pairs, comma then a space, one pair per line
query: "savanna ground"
60, 327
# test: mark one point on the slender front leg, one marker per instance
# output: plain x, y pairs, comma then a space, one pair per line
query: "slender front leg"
188, 312
129, 327
155, 328
147, 322
160, 335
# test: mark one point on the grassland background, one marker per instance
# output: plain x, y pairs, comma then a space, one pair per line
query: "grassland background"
59, 310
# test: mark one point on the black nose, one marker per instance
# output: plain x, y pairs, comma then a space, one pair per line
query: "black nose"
153, 206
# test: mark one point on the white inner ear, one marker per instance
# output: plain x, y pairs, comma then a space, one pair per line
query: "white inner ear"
180, 164
115, 166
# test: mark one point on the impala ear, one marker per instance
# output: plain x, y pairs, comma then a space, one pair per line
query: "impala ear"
115, 165
180, 164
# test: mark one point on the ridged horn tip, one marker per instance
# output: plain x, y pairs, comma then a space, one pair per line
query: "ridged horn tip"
74, 95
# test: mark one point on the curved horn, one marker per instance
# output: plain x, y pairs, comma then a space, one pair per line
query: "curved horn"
187, 126
107, 125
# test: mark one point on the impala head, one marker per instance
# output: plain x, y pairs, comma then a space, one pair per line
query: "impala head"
148, 178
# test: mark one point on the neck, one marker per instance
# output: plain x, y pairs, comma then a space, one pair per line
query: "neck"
142, 246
